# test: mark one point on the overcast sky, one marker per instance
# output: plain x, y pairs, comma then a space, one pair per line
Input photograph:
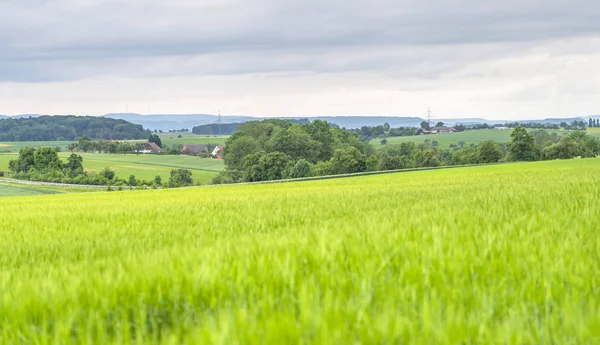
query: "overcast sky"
510, 59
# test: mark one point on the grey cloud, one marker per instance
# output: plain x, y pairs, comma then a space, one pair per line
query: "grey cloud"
69, 39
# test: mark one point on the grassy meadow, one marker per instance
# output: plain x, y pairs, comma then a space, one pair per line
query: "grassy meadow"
13, 190
504, 254
468, 137
15, 146
144, 167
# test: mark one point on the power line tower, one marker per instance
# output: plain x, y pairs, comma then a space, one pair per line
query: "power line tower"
220, 121
429, 116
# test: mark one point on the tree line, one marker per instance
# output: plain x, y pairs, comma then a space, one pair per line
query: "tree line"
59, 128
86, 144
44, 165
277, 149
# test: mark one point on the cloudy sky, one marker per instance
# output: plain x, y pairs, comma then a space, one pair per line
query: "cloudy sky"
510, 59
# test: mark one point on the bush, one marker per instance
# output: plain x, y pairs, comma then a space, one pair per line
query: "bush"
1, 173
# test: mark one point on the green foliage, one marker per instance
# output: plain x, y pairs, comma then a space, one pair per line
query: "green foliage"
108, 174
25, 162
74, 165
390, 162
522, 145
180, 178
489, 152
49, 128
426, 158
347, 161
132, 181
565, 149
158, 180
372, 163
154, 138
262, 166
302, 168
274, 149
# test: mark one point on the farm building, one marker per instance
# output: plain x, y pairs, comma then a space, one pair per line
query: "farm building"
193, 149
150, 148
218, 152
436, 130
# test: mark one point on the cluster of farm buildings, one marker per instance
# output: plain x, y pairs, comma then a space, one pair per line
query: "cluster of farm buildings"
188, 149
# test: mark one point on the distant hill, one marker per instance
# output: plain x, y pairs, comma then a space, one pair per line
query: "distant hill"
167, 122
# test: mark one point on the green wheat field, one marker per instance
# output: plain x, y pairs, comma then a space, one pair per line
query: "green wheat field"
505, 254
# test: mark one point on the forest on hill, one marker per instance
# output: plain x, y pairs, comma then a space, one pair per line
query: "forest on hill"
51, 128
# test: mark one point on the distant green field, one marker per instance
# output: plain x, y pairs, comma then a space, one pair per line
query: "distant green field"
192, 139
11, 190
167, 138
468, 137
15, 146
144, 167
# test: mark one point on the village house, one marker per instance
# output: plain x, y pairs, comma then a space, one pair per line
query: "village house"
218, 152
436, 130
193, 149
150, 148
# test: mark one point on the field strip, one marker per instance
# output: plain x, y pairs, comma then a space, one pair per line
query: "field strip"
154, 164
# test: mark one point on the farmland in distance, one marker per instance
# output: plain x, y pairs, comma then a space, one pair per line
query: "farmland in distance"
503, 254
144, 167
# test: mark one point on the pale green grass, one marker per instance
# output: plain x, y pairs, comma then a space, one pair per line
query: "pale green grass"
144, 167
502, 254
15, 146
13, 190
171, 139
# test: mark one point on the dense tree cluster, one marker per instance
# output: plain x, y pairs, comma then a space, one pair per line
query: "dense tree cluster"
276, 149
594, 123
50, 128
230, 128
86, 144
43, 164
366, 133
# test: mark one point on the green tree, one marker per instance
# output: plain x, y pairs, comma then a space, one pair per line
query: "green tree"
132, 181
302, 168
489, 152
389, 162
154, 138
386, 127
158, 180
347, 161
238, 147
180, 178
439, 124
372, 163
426, 158
46, 159
591, 147
24, 162
522, 145
108, 173
295, 143
383, 141
85, 143
565, 149
74, 165
262, 166
425, 125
